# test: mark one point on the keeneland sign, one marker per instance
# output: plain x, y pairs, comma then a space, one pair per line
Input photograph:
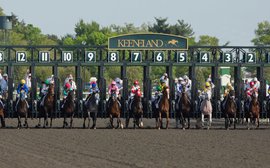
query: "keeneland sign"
151, 41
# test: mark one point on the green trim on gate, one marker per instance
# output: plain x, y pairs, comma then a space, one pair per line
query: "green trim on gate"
148, 41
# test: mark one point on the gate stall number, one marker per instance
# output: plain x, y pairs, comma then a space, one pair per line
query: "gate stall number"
1, 56
21, 56
44, 56
67, 56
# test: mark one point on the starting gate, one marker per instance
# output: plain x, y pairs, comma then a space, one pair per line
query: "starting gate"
144, 50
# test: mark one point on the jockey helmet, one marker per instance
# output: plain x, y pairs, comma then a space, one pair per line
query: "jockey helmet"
208, 80
117, 80
94, 85
93, 79
22, 81
229, 84
207, 84
185, 77
255, 79
47, 81
165, 74
180, 79
29, 75
5, 75
251, 84
67, 85
136, 82
70, 78
113, 83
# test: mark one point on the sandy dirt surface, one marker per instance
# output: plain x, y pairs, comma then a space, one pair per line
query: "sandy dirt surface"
138, 148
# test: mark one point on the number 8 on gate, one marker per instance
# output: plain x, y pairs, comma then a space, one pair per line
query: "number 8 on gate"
113, 56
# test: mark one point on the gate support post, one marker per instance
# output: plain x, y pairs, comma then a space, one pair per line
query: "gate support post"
79, 89
10, 70
169, 71
56, 86
214, 78
238, 89
125, 85
262, 90
102, 85
147, 90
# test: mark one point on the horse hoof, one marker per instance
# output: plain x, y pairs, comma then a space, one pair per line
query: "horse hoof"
158, 128
208, 128
121, 126
183, 129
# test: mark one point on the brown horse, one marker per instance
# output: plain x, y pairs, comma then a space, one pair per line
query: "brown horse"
230, 109
68, 109
48, 107
2, 114
114, 111
184, 109
254, 110
136, 111
22, 109
164, 108
91, 107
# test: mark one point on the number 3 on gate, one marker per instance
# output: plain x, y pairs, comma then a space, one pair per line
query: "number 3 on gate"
159, 56
204, 57
113, 56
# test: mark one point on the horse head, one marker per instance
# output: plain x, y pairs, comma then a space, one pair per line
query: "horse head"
51, 89
71, 95
232, 95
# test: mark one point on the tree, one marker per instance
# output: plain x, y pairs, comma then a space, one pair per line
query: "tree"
160, 26
262, 34
206, 40
181, 28
2, 12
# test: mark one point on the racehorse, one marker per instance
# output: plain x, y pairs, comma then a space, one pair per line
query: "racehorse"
22, 109
184, 109
206, 109
254, 110
164, 108
136, 111
48, 107
91, 107
68, 108
2, 114
114, 110
230, 109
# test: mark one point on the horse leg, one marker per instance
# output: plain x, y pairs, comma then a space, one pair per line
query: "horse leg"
202, 120
182, 120
25, 121
188, 121
127, 121
234, 121
89, 119
64, 122
94, 120
226, 122
141, 122
71, 120
19, 122
84, 118
111, 121
3, 121
209, 121
159, 120
248, 121
167, 120
258, 122
51, 119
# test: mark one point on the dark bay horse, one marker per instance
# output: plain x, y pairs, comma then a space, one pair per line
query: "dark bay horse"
136, 112
254, 110
22, 109
91, 109
48, 107
68, 108
164, 108
2, 114
230, 109
184, 109
114, 111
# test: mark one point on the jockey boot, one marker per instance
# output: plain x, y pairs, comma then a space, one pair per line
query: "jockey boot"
118, 100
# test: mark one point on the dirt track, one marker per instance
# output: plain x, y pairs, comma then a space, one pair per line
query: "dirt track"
59, 148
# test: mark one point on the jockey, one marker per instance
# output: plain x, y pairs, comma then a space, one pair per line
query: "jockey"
113, 89
28, 79
44, 90
22, 86
212, 85
93, 89
3, 85
135, 89
206, 92
229, 88
119, 84
178, 90
165, 79
72, 83
66, 89
159, 89
256, 83
187, 83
